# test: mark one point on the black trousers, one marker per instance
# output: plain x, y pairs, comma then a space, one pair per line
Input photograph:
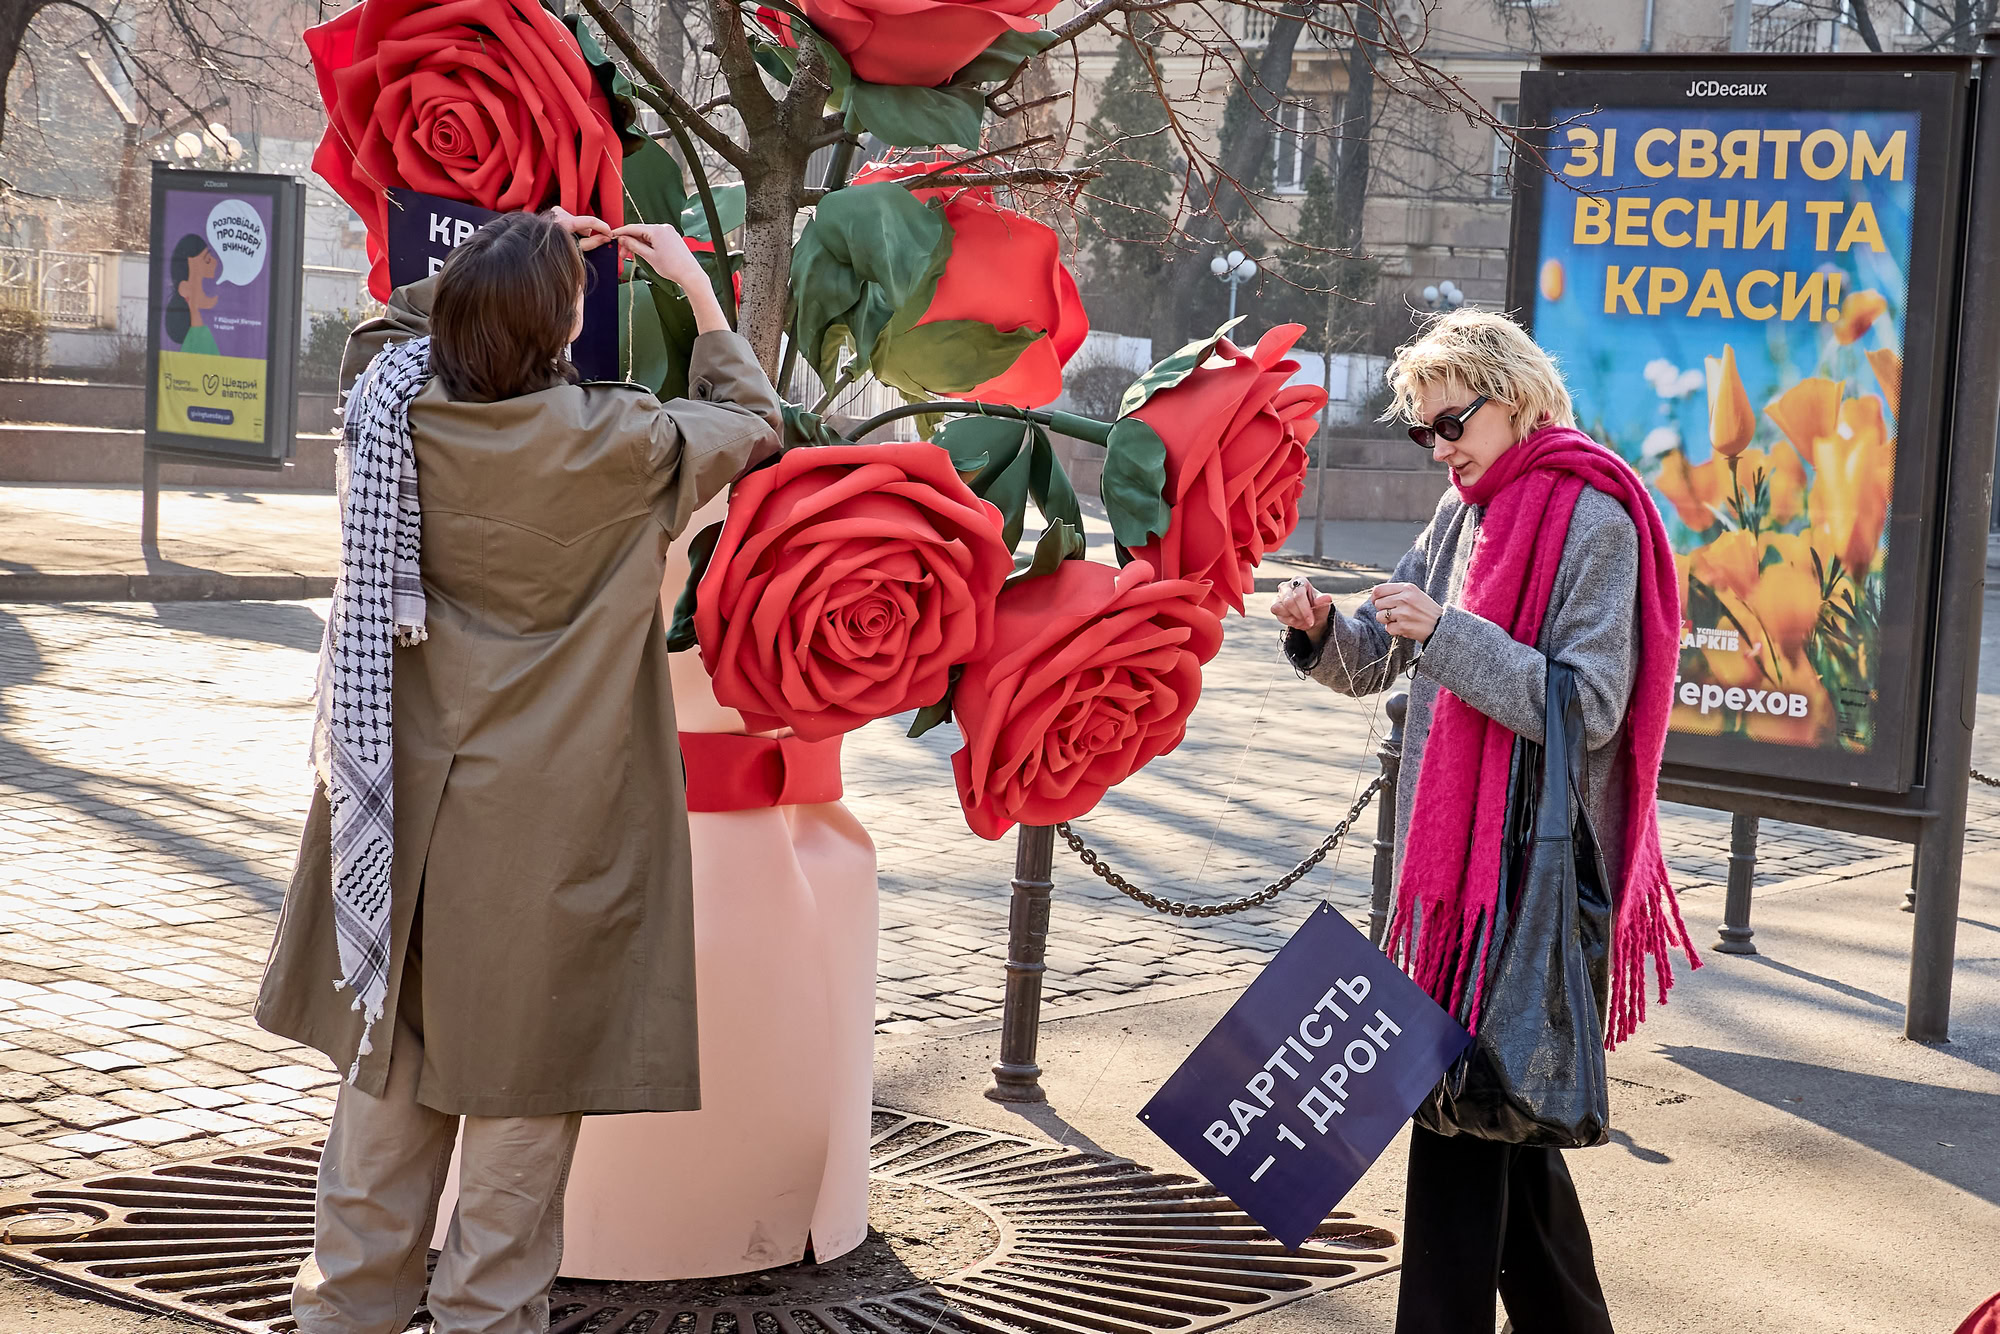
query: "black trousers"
1481, 1218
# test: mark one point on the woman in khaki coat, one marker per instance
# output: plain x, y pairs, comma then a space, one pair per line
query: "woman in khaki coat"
540, 939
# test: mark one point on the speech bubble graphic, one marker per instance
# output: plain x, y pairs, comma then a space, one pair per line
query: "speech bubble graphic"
236, 235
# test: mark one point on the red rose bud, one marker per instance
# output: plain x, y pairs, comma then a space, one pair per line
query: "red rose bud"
1236, 464
1005, 270
1093, 674
918, 42
486, 101
848, 581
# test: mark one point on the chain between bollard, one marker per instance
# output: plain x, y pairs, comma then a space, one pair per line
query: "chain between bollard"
1983, 778
1271, 891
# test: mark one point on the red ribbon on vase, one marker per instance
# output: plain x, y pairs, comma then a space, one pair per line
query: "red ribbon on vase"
729, 772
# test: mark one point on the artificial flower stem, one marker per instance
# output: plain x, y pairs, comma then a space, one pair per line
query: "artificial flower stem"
837, 172
842, 162
789, 358
1064, 423
845, 378
725, 290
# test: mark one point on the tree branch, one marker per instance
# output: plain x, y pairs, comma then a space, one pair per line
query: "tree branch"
656, 91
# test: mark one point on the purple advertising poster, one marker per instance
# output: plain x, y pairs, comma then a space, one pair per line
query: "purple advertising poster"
214, 311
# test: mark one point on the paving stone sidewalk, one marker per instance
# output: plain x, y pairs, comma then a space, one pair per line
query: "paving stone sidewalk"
153, 778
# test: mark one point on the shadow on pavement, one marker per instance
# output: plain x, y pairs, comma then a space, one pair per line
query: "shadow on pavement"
1050, 1122
1843, 988
1943, 1132
119, 803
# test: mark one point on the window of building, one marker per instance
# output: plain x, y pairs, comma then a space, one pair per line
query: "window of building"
1500, 184
1292, 146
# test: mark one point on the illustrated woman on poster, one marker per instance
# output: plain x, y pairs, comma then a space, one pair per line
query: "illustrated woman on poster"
192, 268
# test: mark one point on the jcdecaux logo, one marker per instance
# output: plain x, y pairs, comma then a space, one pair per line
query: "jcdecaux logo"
1713, 88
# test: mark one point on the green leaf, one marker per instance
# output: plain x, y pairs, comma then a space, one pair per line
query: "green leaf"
654, 188
673, 318
869, 251
975, 442
731, 202
932, 714
680, 635
1003, 483
647, 359
840, 74
804, 428
998, 62
1168, 373
1135, 482
618, 88
1050, 485
948, 356
909, 117
1060, 542
779, 61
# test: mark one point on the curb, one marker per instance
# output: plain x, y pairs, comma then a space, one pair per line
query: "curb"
196, 586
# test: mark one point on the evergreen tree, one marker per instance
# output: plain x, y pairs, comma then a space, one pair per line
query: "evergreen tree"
1329, 291
1126, 208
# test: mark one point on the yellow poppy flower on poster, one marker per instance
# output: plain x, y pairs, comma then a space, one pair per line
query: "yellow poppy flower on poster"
1888, 368
1858, 314
1694, 492
1787, 602
1806, 412
1552, 280
1729, 563
1731, 424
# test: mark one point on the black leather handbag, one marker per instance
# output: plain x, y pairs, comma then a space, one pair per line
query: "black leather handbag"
1534, 1074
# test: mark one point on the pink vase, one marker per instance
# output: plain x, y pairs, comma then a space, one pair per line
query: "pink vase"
776, 1160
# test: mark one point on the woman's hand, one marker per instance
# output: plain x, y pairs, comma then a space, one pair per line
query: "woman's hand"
1406, 611
589, 232
664, 249
1302, 607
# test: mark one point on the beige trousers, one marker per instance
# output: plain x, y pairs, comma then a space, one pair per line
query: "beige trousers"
379, 1182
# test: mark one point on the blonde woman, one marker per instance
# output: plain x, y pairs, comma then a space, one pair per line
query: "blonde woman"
1546, 547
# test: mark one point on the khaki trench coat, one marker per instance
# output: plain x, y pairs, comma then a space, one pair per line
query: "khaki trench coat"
540, 796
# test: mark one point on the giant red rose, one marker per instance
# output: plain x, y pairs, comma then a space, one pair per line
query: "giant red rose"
1005, 270
848, 581
1093, 674
487, 101
919, 42
1236, 463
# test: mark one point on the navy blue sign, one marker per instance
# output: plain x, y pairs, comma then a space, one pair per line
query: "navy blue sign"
1300, 1087
423, 229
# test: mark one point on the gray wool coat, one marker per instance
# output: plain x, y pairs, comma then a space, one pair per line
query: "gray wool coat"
1592, 625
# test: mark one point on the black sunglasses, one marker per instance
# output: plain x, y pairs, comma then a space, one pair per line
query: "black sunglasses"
1449, 425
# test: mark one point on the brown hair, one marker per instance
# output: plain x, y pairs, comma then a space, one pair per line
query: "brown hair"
505, 303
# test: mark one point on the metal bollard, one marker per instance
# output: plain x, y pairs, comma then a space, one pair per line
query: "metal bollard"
1734, 937
1016, 1077
1391, 756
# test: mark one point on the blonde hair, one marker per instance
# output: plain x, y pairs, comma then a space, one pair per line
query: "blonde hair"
1487, 353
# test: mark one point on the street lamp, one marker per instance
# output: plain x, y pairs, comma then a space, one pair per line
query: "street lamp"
1445, 295
190, 145
1235, 268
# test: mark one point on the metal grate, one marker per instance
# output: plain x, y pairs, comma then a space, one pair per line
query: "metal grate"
1088, 1244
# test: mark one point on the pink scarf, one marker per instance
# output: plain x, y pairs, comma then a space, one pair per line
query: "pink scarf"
1451, 873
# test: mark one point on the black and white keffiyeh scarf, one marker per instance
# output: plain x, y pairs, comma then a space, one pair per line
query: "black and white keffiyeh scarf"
378, 602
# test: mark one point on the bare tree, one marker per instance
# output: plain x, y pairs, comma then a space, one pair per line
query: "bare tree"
178, 58
765, 132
